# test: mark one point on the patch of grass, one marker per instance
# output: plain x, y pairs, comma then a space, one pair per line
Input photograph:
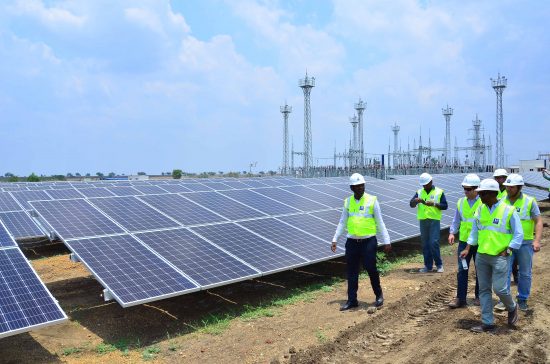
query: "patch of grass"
105, 348
320, 335
150, 352
71, 351
215, 324
252, 313
172, 346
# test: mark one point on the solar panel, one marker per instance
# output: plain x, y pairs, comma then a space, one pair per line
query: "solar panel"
205, 263
25, 196
253, 183
175, 188
290, 199
25, 303
310, 247
260, 202
96, 192
196, 187
314, 195
181, 209
133, 214
124, 191
131, 272
75, 219
150, 190
63, 194
217, 186
20, 224
256, 251
228, 208
236, 184
5, 239
8, 203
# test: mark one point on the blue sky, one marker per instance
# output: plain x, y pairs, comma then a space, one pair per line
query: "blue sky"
128, 86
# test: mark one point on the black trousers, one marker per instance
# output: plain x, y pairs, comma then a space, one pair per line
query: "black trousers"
362, 252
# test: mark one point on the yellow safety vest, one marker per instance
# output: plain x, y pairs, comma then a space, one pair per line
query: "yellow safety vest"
494, 229
502, 194
466, 217
429, 212
361, 220
523, 207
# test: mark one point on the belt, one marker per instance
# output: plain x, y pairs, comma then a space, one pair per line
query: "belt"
360, 240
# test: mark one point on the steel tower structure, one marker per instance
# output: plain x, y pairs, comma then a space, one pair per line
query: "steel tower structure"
307, 84
499, 85
477, 147
395, 128
354, 149
447, 114
285, 110
360, 107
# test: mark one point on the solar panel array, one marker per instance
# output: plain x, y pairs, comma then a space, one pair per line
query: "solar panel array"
197, 234
25, 302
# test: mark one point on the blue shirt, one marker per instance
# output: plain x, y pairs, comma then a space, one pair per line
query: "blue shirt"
515, 224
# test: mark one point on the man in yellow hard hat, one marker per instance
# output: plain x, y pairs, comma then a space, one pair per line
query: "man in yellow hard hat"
496, 231
363, 219
430, 201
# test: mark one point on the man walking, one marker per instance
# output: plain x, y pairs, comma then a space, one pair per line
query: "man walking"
462, 224
531, 222
430, 201
363, 219
500, 176
496, 231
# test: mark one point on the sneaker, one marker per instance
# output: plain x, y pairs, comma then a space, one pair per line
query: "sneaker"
523, 305
476, 302
483, 328
440, 270
500, 306
424, 270
513, 315
457, 303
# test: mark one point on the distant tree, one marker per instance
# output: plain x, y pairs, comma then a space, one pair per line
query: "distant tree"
13, 178
8, 174
177, 173
33, 178
111, 174
211, 173
58, 177
69, 174
99, 174
244, 172
220, 173
87, 175
262, 173
142, 174
78, 174
272, 173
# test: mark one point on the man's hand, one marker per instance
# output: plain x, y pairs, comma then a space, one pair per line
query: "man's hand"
464, 253
536, 246
429, 203
451, 239
333, 247
419, 200
387, 248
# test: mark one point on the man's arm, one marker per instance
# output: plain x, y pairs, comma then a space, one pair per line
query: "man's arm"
340, 228
442, 205
535, 215
414, 201
380, 224
517, 231
455, 226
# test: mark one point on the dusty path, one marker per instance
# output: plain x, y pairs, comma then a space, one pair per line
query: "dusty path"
415, 326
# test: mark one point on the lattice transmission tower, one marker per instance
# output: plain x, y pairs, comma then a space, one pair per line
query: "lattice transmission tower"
499, 85
395, 128
307, 84
360, 107
447, 113
285, 110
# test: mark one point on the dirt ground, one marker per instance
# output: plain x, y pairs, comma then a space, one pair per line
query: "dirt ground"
414, 326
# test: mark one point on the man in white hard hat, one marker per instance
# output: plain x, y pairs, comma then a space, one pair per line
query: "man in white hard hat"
500, 176
496, 231
430, 201
462, 224
363, 219
546, 176
531, 221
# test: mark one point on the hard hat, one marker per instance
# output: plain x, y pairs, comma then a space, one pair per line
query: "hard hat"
500, 172
356, 179
514, 180
488, 184
471, 180
425, 178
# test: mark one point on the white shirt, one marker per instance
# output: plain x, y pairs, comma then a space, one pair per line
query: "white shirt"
380, 226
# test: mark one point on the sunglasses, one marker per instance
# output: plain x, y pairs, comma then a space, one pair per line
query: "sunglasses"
469, 189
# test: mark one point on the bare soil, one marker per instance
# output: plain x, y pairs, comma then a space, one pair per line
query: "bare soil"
414, 326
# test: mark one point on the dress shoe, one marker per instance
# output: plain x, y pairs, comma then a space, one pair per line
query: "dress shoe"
348, 305
483, 328
513, 316
457, 303
379, 301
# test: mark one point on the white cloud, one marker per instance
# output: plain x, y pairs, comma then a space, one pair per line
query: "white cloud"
53, 17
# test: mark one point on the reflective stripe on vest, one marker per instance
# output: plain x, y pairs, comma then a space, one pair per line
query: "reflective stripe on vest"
502, 194
361, 220
466, 217
429, 212
494, 230
523, 207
